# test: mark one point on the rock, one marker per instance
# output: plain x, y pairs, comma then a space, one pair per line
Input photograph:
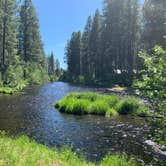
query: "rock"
156, 149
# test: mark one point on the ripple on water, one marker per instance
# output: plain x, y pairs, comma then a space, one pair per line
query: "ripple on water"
32, 113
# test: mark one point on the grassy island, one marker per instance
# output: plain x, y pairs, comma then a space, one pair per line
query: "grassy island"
23, 152
93, 103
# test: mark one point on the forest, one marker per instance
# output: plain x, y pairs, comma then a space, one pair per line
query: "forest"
22, 56
106, 108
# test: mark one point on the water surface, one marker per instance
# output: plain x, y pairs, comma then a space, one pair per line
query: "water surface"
32, 113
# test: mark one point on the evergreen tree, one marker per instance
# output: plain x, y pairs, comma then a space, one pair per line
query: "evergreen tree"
73, 54
57, 68
51, 64
30, 44
8, 32
85, 57
94, 46
119, 39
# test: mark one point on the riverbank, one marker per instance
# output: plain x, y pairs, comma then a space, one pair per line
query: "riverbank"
94, 103
12, 89
21, 152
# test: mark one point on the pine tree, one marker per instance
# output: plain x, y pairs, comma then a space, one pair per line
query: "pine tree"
8, 32
30, 44
85, 57
94, 46
73, 54
57, 68
51, 64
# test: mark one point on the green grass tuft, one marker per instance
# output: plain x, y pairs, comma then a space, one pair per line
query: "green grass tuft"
93, 103
131, 105
98, 107
111, 112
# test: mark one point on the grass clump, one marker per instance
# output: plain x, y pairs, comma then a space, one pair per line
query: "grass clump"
24, 152
93, 103
98, 107
111, 112
132, 106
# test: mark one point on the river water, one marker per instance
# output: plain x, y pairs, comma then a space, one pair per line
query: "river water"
32, 113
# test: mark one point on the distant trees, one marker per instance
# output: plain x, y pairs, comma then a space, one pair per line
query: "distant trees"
22, 55
109, 44
111, 41
54, 70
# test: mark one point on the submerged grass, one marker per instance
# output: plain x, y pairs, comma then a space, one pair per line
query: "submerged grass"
93, 103
23, 152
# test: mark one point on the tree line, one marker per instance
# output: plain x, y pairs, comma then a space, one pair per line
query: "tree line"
22, 55
107, 50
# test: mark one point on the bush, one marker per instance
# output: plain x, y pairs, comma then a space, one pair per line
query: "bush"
36, 74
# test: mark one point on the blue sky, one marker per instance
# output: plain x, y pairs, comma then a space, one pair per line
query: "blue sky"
59, 18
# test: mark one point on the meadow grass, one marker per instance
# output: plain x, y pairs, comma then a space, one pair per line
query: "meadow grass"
24, 152
93, 103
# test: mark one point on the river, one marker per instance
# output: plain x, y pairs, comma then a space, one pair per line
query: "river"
32, 113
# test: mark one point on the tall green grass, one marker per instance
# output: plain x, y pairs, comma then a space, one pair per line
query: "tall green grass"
93, 103
23, 152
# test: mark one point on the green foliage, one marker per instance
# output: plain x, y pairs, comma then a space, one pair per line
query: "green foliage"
111, 112
24, 152
22, 57
105, 53
93, 103
131, 105
153, 81
98, 107
113, 160
158, 130
36, 74
69, 105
